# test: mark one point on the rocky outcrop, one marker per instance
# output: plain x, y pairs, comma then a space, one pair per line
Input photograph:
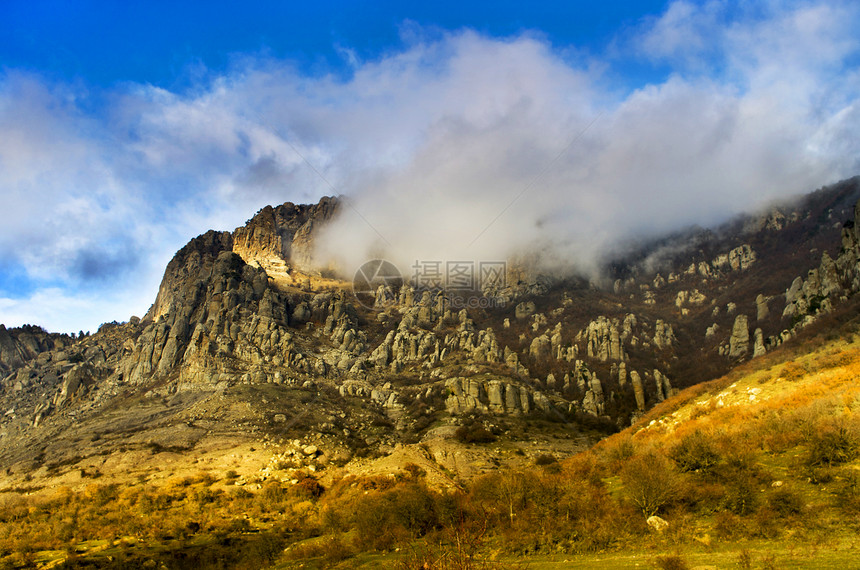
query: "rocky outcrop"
403, 346
216, 322
821, 286
761, 308
693, 297
664, 335
663, 386
602, 340
283, 234
738, 259
541, 348
740, 339
486, 395
594, 402
741, 258
188, 271
524, 309
758, 344
18, 346
621, 373
222, 319
76, 381
638, 390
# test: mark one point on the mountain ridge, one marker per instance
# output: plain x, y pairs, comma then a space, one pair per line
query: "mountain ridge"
241, 318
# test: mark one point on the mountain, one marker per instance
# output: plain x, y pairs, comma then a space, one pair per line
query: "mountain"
255, 361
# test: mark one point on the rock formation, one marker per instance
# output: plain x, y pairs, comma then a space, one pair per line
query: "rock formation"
248, 313
740, 339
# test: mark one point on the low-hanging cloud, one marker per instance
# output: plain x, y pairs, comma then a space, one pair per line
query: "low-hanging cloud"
456, 146
546, 158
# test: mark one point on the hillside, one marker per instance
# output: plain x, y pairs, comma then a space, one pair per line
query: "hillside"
259, 401
756, 469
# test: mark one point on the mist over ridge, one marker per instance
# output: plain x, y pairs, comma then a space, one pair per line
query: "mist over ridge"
456, 145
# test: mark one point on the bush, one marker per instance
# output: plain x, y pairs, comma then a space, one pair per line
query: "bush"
308, 488
650, 482
849, 491
670, 562
793, 371
545, 459
729, 526
621, 450
506, 493
742, 477
741, 495
836, 441
695, 452
786, 502
474, 433
384, 519
745, 559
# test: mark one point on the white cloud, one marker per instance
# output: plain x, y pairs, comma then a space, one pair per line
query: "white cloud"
74, 311
683, 33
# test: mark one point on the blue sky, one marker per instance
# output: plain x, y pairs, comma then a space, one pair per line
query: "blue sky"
162, 43
128, 128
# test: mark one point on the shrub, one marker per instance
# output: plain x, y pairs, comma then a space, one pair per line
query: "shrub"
622, 450
704, 497
793, 371
729, 526
397, 515
474, 433
741, 495
274, 494
545, 459
650, 482
308, 488
835, 442
505, 493
742, 477
695, 452
786, 502
848, 490
765, 524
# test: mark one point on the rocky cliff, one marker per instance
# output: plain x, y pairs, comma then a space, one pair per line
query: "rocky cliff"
281, 240
242, 333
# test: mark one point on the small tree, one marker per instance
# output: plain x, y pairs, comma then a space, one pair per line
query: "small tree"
650, 482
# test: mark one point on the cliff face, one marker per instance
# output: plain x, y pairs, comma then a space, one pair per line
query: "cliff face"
187, 271
279, 238
210, 303
229, 325
21, 345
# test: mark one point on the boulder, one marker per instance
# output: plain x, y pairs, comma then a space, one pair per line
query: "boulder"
524, 309
657, 523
